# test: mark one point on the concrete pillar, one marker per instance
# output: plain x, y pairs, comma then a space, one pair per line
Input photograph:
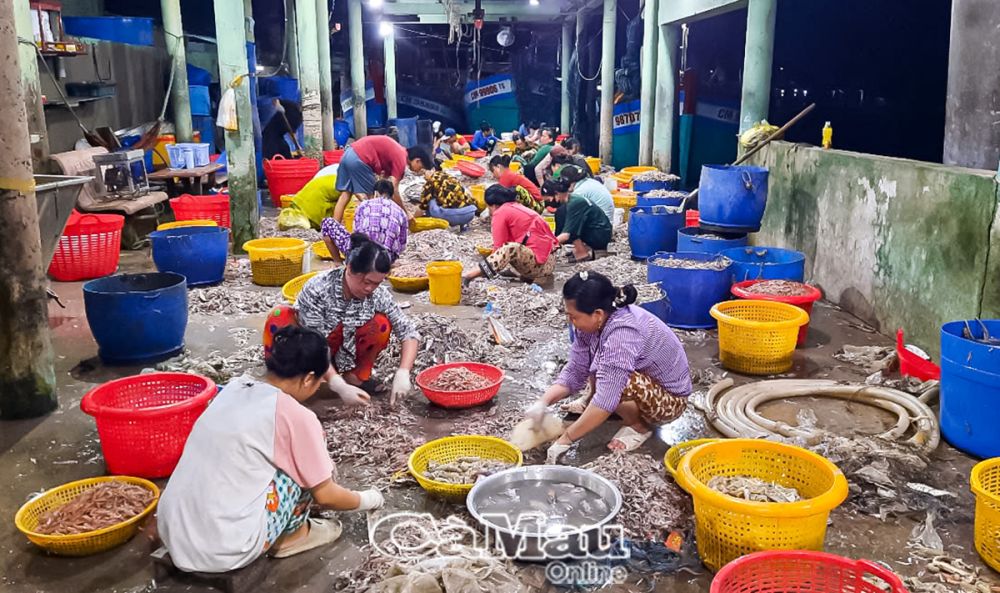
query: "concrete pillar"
312, 110
390, 73
291, 40
180, 97
232, 48
28, 59
665, 98
567, 55
27, 378
610, 23
357, 36
757, 62
325, 73
647, 94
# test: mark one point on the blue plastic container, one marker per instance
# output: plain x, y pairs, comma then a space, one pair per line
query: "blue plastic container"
645, 202
137, 318
693, 238
766, 263
196, 252
643, 186
117, 29
651, 230
407, 127
659, 307
732, 198
341, 132
691, 293
970, 388
200, 102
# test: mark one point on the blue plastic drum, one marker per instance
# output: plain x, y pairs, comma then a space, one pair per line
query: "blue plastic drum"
698, 239
732, 198
970, 387
196, 252
652, 229
690, 292
766, 263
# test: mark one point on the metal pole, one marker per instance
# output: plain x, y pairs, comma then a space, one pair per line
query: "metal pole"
312, 110
325, 73
665, 100
180, 97
390, 72
27, 377
608, 78
567, 55
240, 153
28, 59
647, 94
291, 40
357, 68
757, 62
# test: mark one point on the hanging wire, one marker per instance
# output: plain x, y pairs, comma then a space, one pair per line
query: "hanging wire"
600, 64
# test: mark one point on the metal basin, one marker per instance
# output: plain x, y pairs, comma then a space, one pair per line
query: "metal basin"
56, 196
581, 543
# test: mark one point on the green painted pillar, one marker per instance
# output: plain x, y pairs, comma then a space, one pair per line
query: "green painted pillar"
389, 43
180, 97
567, 56
28, 60
325, 73
312, 110
757, 62
647, 93
240, 153
357, 36
665, 98
291, 40
609, 26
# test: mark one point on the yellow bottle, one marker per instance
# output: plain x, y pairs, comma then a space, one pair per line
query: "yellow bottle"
827, 135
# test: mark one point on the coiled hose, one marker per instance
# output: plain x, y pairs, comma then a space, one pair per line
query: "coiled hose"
733, 410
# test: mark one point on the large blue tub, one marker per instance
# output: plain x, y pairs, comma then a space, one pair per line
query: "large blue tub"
690, 293
732, 198
970, 388
694, 238
137, 318
644, 201
652, 229
644, 186
766, 263
196, 252
660, 307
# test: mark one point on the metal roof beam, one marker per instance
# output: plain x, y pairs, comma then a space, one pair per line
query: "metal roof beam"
494, 9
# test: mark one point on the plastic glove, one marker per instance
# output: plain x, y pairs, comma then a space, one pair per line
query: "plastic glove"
536, 412
400, 385
370, 500
555, 452
348, 393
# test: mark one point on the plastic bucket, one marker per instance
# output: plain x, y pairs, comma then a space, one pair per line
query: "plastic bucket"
691, 218
650, 231
732, 198
693, 239
445, 282
644, 201
766, 263
970, 388
196, 252
691, 293
659, 307
804, 302
137, 317
643, 186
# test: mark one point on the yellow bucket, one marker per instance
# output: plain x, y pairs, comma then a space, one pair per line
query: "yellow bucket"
451, 448
515, 166
445, 282
293, 287
625, 200
183, 223
594, 163
985, 482
479, 194
286, 200
273, 262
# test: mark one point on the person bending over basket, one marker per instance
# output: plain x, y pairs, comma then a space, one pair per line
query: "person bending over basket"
254, 463
634, 363
379, 218
356, 313
371, 157
579, 222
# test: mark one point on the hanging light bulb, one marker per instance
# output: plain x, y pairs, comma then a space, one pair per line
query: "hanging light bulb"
533, 2
385, 28
375, 3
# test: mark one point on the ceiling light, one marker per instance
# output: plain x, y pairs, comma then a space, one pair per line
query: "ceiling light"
385, 28
533, 2
375, 3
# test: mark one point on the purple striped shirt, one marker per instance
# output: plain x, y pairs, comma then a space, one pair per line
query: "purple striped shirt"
381, 219
633, 340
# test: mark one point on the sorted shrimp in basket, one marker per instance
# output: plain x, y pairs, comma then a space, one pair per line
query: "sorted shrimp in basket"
463, 470
459, 379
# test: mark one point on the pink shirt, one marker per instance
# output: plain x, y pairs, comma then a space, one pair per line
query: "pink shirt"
510, 179
383, 154
512, 222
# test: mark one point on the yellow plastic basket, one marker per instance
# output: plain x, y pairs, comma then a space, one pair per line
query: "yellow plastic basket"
183, 223
293, 287
479, 195
286, 200
758, 337
674, 454
404, 284
625, 200
623, 180
449, 164
507, 145
484, 251
516, 166
633, 171
551, 221
985, 482
273, 262
462, 157
451, 448
727, 528
427, 223
321, 251
594, 163
82, 544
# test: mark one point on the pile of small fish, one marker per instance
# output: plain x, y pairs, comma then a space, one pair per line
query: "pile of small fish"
648, 293
378, 438
464, 470
520, 306
409, 269
620, 269
103, 505
441, 244
753, 489
459, 379
717, 265
224, 300
655, 176
268, 227
441, 341
779, 288
248, 355
666, 193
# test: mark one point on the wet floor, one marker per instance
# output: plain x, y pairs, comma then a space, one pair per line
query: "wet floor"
40, 454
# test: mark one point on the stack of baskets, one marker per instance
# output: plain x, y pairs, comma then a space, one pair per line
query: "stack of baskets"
89, 247
212, 207
273, 262
288, 176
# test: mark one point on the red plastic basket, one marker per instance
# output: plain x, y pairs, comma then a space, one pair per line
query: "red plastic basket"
332, 157
804, 302
88, 248
461, 399
691, 218
288, 176
213, 207
913, 365
144, 421
468, 169
476, 154
792, 571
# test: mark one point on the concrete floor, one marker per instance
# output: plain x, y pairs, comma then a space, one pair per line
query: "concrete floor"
43, 453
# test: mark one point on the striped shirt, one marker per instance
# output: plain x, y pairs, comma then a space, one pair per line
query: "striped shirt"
381, 219
633, 340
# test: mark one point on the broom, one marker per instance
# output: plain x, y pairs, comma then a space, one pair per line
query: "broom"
152, 136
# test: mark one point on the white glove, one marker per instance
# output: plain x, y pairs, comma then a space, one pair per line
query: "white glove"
348, 393
536, 412
370, 500
400, 385
555, 451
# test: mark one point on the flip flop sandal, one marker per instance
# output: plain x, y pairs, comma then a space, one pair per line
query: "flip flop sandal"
321, 533
630, 438
577, 406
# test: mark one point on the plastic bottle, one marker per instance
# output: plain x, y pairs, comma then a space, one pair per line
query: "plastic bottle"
827, 136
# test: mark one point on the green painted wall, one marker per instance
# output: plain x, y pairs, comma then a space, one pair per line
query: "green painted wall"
898, 243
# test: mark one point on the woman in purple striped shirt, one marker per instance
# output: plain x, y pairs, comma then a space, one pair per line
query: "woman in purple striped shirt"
634, 363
